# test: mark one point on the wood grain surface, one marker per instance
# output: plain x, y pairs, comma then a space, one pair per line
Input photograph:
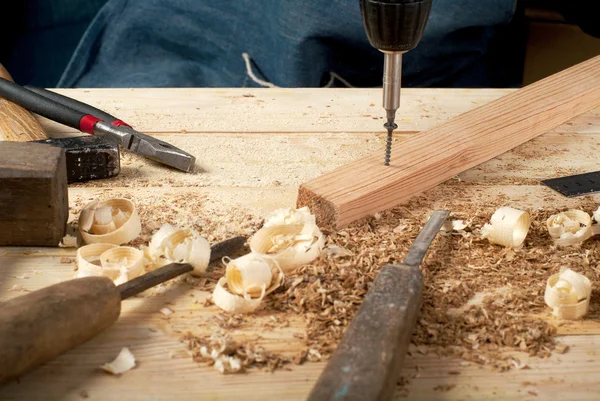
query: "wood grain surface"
367, 186
34, 204
16, 123
255, 162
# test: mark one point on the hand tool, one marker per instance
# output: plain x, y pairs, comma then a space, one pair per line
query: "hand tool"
367, 362
393, 27
91, 120
87, 157
34, 205
37, 327
575, 185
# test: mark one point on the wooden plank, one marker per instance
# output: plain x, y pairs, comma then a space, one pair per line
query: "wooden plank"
287, 160
206, 110
260, 110
234, 175
367, 186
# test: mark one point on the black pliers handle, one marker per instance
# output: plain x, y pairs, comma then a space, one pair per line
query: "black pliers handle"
91, 120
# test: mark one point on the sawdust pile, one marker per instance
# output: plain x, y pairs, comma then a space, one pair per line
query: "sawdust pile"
228, 356
510, 285
183, 209
481, 302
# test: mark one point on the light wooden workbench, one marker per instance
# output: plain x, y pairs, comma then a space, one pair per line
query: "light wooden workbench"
254, 147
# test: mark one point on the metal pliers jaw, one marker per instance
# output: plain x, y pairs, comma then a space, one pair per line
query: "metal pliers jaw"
147, 146
89, 119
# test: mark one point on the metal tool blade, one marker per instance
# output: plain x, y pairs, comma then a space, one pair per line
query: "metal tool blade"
148, 146
390, 126
88, 157
575, 185
166, 273
418, 249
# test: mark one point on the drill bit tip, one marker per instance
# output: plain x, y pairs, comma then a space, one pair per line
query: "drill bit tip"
390, 125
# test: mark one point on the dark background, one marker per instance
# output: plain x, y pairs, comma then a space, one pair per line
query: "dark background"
544, 37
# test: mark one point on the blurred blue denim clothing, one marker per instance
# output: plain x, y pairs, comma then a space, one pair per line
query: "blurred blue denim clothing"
292, 43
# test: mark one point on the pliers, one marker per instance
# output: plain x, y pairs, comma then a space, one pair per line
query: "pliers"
91, 120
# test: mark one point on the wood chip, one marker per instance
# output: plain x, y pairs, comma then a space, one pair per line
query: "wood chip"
166, 311
224, 353
18, 288
444, 387
68, 241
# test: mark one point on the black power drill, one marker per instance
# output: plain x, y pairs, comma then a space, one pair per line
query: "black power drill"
394, 27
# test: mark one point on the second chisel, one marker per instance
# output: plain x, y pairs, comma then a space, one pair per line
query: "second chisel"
37, 327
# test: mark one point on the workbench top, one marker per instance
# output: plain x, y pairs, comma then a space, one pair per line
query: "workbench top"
253, 148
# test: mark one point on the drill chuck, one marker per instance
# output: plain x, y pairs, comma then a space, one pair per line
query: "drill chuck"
395, 25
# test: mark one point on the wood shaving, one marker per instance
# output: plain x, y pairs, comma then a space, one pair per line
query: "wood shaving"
18, 288
481, 303
228, 356
124, 362
444, 387
166, 311
68, 241
488, 332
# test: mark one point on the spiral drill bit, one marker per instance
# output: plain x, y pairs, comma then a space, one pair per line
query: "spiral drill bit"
390, 126
392, 78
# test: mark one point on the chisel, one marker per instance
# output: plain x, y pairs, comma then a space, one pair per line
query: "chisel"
367, 362
37, 327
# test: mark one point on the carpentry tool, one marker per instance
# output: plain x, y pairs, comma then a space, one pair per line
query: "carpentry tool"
37, 327
367, 362
393, 27
575, 185
87, 157
91, 120
34, 204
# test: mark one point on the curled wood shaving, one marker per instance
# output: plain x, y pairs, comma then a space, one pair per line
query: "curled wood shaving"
248, 274
119, 263
172, 244
113, 221
570, 228
508, 227
235, 303
290, 237
568, 294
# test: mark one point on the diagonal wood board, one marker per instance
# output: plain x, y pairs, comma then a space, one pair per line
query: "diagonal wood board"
367, 186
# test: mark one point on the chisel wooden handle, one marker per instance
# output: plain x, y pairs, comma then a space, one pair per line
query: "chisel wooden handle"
367, 362
16, 123
37, 327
